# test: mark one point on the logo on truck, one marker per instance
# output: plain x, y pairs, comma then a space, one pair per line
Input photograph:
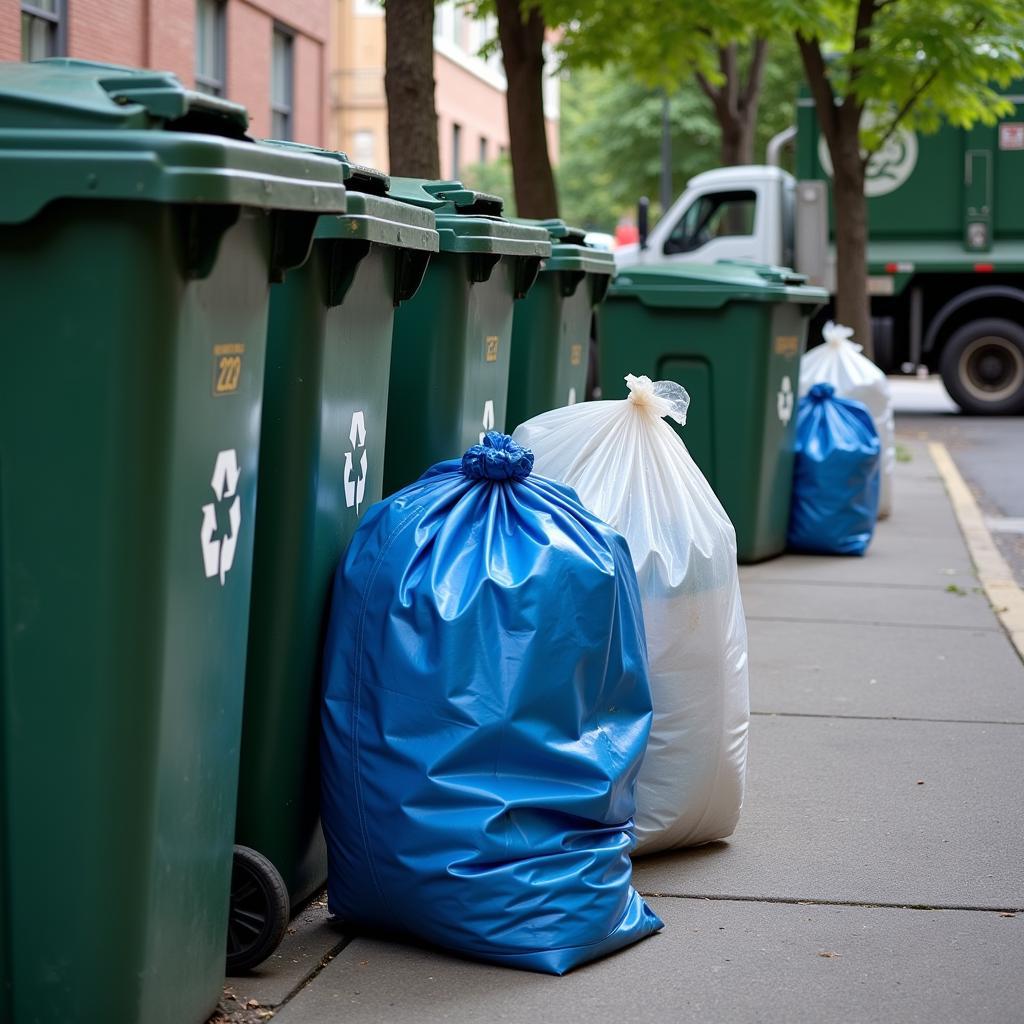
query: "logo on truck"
887, 169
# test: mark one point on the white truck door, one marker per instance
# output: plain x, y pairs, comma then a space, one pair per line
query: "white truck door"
716, 225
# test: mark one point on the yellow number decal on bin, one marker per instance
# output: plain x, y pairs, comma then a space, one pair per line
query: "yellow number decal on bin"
227, 368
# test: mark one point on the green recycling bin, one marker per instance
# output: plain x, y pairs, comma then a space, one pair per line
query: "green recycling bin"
551, 329
732, 334
450, 357
321, 467
141, 231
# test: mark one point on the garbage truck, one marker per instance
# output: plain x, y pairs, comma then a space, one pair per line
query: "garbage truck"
946, 249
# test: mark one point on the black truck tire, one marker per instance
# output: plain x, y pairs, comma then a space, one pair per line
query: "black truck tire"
982, 366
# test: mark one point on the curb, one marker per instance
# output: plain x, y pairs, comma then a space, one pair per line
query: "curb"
1005, 596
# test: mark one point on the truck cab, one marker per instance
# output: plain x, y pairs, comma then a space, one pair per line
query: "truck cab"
727, 213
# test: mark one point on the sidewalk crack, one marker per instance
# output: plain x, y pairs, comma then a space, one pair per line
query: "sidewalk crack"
892, 625
887, 718
804, 902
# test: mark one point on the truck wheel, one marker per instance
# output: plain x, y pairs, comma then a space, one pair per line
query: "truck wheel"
260, 910
982, 366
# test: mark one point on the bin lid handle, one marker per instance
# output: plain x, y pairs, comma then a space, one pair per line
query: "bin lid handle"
776, 275
164, 99
465, 200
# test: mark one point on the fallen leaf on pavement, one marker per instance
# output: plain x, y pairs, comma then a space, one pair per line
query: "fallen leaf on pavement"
829, 955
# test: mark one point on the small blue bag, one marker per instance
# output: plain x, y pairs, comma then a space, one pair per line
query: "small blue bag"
836, 475
486, 708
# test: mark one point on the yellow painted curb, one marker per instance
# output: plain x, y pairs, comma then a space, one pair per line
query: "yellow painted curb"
1005, 596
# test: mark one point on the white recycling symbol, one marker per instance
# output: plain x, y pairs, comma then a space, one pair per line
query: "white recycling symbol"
219, 553
784, 400
572, 397
488, 420
355, 487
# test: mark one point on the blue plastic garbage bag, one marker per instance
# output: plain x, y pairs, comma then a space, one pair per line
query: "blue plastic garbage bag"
486, 708
836, 475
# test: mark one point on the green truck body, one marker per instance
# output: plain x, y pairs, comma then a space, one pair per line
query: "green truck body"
945, 252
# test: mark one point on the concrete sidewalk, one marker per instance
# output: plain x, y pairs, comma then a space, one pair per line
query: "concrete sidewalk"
878, 864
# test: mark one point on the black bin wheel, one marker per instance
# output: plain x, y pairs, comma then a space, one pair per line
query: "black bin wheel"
260, 910
982, 367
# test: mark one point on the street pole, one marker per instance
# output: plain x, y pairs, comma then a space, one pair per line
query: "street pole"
666, 156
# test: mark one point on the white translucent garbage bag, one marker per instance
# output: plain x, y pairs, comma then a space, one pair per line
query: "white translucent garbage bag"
839, 362
629, 467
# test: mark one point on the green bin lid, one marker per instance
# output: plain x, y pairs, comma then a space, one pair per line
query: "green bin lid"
470, 221
370, 215
569, 251
711, 285
77, 129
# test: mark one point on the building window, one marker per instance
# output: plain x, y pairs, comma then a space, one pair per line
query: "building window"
362, 147
456, 149
458, 22
282, 74
483, 150
369, 8
444, 21
211, 51
42, 29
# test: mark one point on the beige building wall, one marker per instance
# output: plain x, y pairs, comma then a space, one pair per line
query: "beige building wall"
358, 116
470, 92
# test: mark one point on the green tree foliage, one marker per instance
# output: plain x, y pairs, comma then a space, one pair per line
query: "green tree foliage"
610, 138
911, 62
664, 42
873, 65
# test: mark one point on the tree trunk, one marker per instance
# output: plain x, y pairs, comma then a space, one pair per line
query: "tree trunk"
853, 305
522, 49
738, 139
840, 125
409, 86
736, 102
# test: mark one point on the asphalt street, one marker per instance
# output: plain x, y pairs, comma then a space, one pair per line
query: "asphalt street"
988, 452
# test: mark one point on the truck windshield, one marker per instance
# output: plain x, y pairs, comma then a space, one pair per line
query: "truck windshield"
716, 215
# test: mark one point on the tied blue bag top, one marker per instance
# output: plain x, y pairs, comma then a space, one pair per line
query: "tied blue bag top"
485, 711
836, 475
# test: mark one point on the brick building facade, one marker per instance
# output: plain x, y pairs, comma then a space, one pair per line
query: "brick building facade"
268, 55
472, 123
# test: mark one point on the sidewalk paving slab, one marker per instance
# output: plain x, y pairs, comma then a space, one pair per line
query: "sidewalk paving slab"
887, 607
718, 961
865, 800
910, 672
834, 812
893, 559
312, 937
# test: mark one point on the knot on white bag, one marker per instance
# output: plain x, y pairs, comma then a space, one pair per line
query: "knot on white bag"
661, 397
838, 335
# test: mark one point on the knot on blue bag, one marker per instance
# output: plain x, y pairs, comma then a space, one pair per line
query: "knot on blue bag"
498, 458
821, 392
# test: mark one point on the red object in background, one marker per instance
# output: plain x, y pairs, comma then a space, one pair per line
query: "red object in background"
626, 234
